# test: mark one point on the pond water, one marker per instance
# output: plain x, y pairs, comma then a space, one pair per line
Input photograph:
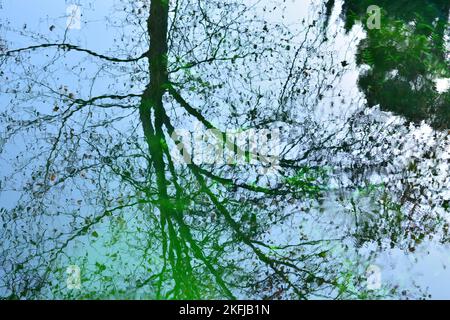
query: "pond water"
225, 149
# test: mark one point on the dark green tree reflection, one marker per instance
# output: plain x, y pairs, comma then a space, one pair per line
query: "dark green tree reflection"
89, 133
404, 57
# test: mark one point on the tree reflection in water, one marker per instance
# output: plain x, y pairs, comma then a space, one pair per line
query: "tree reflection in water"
89, 140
